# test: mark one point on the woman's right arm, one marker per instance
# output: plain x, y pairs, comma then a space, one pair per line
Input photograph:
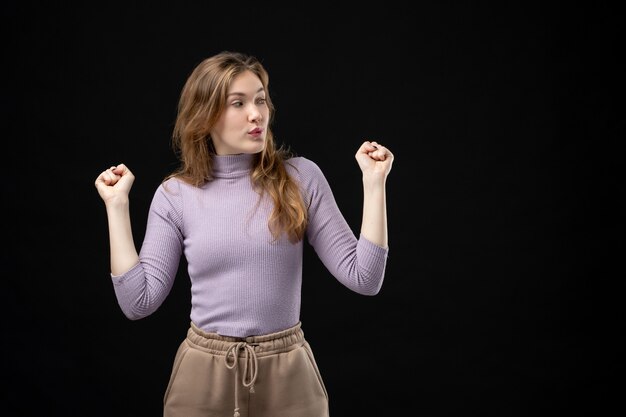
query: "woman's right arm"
114, 186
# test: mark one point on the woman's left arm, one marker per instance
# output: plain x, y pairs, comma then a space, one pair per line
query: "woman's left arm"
375, 162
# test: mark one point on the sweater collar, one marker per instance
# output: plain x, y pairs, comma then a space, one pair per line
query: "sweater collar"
232, 166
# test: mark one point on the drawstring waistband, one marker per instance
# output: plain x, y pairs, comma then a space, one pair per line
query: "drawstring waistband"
253, 347
249, 370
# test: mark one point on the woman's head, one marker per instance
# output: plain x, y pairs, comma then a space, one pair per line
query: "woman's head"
224, 108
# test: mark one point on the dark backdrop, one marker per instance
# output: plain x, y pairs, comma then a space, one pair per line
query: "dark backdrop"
505, 204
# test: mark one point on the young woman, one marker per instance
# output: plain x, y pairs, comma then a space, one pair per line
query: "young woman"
239, 209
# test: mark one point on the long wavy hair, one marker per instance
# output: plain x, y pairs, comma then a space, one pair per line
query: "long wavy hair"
201, 104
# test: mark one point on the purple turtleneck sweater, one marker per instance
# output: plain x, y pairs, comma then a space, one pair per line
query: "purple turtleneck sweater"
242, 283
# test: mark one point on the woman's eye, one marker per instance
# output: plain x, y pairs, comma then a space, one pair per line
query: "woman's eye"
261, 101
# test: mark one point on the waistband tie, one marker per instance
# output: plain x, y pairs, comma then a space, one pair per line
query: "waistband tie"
249, 371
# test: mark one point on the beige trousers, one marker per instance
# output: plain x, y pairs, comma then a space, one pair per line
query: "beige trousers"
273, 375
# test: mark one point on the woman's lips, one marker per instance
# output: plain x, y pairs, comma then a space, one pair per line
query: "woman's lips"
256, 132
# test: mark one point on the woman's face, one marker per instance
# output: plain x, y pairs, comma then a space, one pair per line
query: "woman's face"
242, 127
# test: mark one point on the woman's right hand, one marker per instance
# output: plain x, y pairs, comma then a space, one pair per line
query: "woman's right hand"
114, 184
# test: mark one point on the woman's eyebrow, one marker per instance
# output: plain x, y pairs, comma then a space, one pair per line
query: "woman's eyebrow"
236, 93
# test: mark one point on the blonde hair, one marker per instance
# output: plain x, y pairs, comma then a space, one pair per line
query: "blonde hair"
201, 104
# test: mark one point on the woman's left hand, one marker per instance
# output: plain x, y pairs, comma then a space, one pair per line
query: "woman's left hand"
374, 159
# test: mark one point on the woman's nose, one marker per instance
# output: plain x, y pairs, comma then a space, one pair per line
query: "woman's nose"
255, 115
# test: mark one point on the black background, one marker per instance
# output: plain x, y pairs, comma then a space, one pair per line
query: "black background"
506, 199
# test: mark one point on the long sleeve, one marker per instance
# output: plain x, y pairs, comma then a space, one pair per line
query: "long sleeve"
141, 290
355, 261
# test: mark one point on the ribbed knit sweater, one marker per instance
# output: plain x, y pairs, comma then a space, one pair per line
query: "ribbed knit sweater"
242, 283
